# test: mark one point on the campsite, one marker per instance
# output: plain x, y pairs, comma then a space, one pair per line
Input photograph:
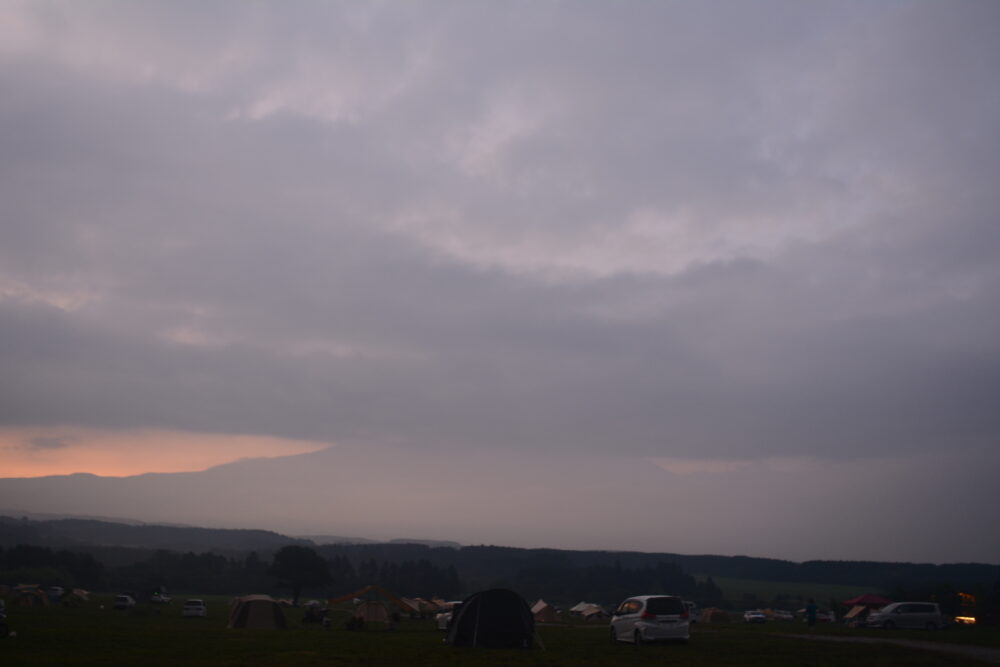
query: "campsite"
385, 604
95, 633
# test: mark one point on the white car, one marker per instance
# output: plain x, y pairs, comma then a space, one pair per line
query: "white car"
443, 619
646, 618
124, 602
923, 615
194, 607
783, 615
754, 616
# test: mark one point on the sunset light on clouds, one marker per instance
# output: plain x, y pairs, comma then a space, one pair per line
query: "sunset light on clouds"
117, 453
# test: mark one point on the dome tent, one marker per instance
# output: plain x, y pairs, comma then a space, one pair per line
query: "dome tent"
257, 611
497, 618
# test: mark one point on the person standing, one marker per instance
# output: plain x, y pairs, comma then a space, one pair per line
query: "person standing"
811, 613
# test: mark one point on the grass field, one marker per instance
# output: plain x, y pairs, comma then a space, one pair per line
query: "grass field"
157, 635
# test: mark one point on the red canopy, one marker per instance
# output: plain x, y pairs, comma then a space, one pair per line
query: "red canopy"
867, 600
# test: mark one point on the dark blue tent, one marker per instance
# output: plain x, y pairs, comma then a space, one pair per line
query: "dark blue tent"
497, 618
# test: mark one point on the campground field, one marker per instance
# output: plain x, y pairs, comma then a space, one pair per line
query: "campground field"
158, 635
738, 589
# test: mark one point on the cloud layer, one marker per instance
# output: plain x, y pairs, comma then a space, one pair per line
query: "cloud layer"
711, 231
800, 511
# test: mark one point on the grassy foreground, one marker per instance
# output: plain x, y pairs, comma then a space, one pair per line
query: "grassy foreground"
151, 635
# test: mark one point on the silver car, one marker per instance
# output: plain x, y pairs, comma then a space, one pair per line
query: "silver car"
443, 619
124, 602
924, 615
646, 618
194, 607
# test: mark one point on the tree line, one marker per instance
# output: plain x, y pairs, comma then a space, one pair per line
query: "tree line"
295, 569
292, 569
412, 571
234, 562
28, 563
476, 563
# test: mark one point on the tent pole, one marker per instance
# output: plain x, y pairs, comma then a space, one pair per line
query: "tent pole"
475, 633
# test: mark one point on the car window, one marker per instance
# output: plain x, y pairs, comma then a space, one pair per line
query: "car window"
630, 607
665, 606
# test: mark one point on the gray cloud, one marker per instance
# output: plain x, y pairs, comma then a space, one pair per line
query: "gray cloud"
49, 442
714, 230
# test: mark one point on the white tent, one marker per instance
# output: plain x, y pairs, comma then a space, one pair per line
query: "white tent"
579, 607
421, 606
593, 612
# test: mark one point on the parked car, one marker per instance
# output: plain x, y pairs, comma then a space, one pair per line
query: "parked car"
782, 615
692, 610
646, 618
194, 607
754, 616
925, 615
443, 619
124, 602
160, 598
821, 616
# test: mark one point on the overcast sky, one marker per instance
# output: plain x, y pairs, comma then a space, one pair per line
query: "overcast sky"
708, 235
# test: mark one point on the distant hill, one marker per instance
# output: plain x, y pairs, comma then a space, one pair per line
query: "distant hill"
60, 531
91, 532
52, 516
336, 539
136, 553
483, 565
71, 533
430, 543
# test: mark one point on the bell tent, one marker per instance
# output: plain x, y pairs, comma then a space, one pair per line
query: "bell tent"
372, 611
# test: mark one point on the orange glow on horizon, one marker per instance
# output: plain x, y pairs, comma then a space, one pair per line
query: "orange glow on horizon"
39, 452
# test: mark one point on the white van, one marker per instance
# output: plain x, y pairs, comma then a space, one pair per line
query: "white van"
646, 618
923, 615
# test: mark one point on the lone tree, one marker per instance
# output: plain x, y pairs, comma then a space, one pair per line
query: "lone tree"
298, 567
